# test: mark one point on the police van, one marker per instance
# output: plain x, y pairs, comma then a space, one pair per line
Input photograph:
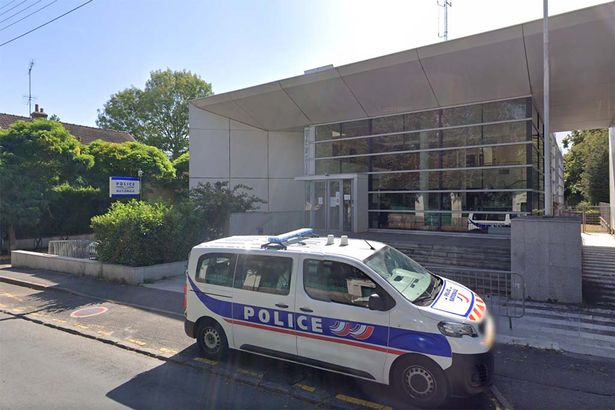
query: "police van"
350, 306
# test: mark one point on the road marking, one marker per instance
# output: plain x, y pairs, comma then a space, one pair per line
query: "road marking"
363, 403
249, 372
59, 320
170, 351
2, 305
206, 361
137, 342
89, 311
102, 332
306, 387
80, 326
10, 295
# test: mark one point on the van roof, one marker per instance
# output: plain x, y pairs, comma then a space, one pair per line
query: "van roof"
356, 248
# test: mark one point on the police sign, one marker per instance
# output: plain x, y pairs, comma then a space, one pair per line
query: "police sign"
124, 187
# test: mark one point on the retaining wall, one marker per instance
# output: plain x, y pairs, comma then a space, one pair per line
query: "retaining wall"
85, 267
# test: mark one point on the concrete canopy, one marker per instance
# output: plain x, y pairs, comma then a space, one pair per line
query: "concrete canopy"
499, 64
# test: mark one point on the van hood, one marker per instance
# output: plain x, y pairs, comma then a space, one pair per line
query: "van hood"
455, 301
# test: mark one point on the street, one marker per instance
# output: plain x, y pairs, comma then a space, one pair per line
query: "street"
119, 355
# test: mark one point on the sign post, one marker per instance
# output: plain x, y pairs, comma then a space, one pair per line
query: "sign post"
124, 187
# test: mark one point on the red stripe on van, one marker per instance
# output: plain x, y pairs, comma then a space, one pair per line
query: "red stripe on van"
318, 337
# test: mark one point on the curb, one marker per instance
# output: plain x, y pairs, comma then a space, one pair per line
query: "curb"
39, 286
500, 399
535, 343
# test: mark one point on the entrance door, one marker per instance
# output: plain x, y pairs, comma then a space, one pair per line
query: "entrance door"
330, 204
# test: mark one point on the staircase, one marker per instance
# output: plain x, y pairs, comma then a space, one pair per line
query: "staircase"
599, 275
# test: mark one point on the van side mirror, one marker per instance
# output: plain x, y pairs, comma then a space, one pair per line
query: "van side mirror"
375, 302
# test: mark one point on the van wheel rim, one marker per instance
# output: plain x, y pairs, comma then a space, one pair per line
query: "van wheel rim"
211, 338
419, 382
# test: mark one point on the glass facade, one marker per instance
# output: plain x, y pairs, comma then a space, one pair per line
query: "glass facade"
430, 170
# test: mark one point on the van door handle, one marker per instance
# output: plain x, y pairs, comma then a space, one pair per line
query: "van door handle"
282, 305
304, 309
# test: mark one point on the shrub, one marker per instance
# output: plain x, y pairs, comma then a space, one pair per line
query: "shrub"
131, 233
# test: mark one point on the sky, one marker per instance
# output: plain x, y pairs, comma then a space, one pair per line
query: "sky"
83, 58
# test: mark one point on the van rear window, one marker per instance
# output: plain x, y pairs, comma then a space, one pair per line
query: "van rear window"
216, 269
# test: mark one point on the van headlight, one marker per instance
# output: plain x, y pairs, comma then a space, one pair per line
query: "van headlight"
454, 329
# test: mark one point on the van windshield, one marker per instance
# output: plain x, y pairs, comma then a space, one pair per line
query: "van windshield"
412, 280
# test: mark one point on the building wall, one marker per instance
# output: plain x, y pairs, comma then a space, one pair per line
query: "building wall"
225, 150
612, 173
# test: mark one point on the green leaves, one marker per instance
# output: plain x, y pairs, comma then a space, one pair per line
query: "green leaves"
158, 114
586, 167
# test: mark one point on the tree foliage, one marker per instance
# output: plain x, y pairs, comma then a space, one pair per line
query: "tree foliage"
126, 159
35, 159
586, 167
158, 114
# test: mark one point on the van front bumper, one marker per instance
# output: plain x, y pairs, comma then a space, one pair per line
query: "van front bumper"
189, 328
470, 374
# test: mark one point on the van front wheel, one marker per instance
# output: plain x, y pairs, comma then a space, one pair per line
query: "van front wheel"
420, 381
212, 340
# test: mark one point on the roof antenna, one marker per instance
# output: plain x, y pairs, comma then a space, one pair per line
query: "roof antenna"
445, 4
30, 87
370, 245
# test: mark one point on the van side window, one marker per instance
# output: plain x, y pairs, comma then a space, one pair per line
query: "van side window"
216, 269
268, 274
337, 282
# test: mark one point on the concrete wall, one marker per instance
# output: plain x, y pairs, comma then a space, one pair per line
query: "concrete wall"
85, 267
225, 150
546, 252
266, 223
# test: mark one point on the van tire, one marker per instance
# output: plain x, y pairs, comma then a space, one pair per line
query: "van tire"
211, 340
421, 381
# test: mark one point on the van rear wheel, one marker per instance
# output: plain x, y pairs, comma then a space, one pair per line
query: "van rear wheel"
420, 381
211, 340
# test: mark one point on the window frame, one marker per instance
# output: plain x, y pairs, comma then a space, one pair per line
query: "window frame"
233, 260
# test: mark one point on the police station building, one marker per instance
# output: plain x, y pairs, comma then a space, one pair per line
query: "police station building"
436, 138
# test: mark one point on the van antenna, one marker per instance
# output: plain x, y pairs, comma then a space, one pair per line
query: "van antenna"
370, 245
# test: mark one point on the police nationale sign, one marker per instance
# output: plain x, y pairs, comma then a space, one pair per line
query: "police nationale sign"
124, 187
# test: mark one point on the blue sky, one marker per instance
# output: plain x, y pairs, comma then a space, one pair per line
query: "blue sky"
109, 45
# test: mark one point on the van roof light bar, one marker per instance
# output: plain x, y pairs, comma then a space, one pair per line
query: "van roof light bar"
280, 241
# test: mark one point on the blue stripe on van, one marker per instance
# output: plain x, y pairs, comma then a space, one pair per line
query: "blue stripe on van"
399, 339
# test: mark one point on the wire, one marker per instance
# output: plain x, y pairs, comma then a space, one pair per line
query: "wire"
44, 24
7, 4
25, 17
20, 11
15, 6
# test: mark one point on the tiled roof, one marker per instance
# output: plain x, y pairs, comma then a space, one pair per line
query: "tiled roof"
83, 133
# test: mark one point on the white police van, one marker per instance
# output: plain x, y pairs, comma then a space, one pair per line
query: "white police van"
350, 306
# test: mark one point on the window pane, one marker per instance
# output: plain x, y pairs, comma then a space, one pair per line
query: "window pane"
505, 110
461, 116
421, 120
216, 269
385, 125
328, 166
327, 132
268, 274
336, 282
510, 132
355, 128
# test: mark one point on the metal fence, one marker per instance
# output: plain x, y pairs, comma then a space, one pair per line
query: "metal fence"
503, 292
75, 248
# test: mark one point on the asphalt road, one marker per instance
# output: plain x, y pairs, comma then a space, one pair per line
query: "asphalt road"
41, 367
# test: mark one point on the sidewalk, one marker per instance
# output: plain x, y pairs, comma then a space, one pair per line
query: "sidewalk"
157, 300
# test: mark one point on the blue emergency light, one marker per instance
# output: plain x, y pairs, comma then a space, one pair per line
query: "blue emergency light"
289, 236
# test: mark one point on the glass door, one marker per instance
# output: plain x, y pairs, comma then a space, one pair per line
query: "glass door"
334, 217
329, 204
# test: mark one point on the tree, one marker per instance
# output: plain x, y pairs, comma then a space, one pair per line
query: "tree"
586, 167
35, 158
214, 203
158, 114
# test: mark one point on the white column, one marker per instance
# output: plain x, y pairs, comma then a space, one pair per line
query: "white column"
612, 174
547, 131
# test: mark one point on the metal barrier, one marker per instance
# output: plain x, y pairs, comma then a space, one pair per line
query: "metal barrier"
75, 248
502, 291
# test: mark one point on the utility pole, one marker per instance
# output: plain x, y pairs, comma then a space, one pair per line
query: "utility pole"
444, 4
546, 131
30, 87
